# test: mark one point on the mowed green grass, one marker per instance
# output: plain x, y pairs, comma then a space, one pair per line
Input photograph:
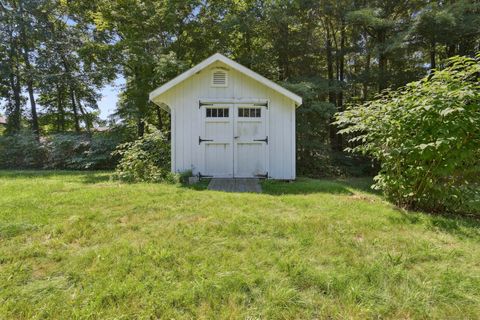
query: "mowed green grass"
79, 246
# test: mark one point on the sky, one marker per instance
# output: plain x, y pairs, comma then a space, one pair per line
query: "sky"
108, 103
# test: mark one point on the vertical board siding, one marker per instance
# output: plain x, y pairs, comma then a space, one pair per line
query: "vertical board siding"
181, 139
186, 120
293, 130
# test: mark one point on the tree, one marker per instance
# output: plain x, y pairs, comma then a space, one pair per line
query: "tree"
75, 68
431, 28
383, 23
465, 35
10, 68
22, 31
28, 38
142, 30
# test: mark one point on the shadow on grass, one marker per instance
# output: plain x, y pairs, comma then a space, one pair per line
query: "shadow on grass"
87, 177
199, 186
97, 177
311, 186
466, 227
459, 225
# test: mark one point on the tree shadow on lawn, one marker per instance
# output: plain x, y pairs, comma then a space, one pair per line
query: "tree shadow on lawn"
458, 225
468, 227
87, 177
310, 186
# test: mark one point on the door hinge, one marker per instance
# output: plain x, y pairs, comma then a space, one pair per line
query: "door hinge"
201, 104
262, 176
200, 176
264, 140
200, 140
261, 104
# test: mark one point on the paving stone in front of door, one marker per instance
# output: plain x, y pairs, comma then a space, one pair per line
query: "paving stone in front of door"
235, 185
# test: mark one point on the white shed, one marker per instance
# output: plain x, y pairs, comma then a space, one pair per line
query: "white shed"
229, 121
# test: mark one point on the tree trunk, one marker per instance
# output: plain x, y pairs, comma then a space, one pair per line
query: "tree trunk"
433, 53
451, 50
368, 61
140, 128
159, 119
15, 116
33, 105
29, 71
341, 78
72, 93
169, 131
248, 50
60, 111
84, 115
331, 93
283, 60
74, 109
382, 62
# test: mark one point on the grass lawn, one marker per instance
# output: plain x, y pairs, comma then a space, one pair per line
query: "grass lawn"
77, 245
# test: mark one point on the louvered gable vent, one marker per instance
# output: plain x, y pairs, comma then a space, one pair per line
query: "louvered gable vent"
219, 78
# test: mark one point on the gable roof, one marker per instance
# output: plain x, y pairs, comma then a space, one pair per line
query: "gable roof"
234, 65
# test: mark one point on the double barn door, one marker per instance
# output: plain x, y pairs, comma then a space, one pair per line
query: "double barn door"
234, 141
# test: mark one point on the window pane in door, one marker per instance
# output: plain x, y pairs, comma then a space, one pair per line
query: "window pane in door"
217, 112
250, 112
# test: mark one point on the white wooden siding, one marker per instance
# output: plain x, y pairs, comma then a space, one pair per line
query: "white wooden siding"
183, 101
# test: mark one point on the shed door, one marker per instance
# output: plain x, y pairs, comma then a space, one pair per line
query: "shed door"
234, 141
250, 141
217, 141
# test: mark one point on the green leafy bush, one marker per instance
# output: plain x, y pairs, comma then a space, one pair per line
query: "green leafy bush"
145, 160
21, 151
426, 137
65, 150
83, 151
70, 151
